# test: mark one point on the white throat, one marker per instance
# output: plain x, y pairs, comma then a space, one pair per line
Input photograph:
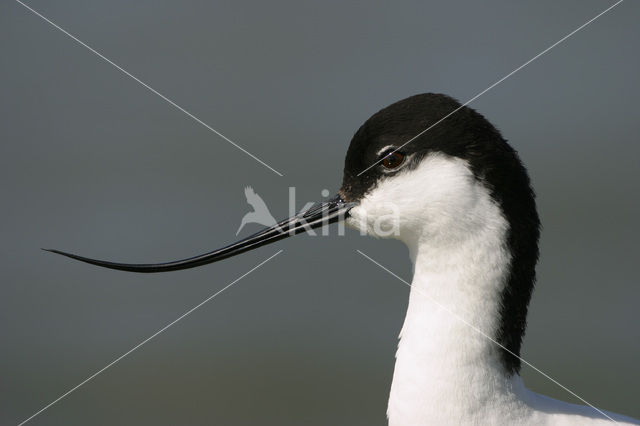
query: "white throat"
446, 371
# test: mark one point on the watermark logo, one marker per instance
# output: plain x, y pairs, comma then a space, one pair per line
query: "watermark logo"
260, 214
384, 222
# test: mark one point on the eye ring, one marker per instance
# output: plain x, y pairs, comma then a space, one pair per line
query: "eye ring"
391, 159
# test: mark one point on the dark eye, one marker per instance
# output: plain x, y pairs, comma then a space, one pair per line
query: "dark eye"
392, 159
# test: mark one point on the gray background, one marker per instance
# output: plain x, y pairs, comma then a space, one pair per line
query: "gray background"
91, 162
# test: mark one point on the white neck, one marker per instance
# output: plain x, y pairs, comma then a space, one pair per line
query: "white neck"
446, 371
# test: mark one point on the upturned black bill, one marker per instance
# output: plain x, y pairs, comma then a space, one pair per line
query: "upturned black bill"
321, 214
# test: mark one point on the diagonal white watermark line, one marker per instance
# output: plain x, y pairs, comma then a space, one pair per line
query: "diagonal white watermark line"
477, 330
145, 85
498, 82
91, 377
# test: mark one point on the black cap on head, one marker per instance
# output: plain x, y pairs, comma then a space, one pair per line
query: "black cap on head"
465, 134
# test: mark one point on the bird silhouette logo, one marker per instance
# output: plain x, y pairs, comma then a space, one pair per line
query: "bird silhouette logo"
260, 213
